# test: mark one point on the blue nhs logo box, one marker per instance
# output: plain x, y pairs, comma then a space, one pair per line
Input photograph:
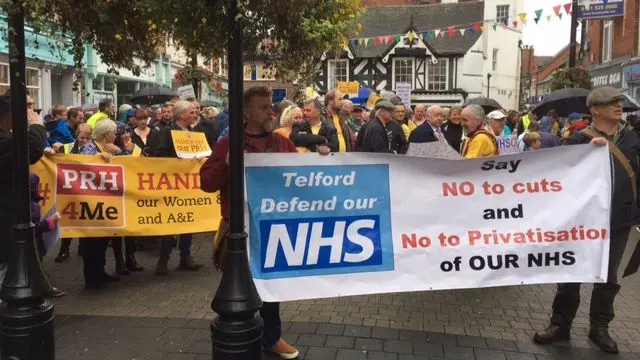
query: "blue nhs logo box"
315, 243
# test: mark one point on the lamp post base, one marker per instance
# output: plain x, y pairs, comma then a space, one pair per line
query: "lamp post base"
237, 340
27, 332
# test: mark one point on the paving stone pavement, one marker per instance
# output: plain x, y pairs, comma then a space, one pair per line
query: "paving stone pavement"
509, 314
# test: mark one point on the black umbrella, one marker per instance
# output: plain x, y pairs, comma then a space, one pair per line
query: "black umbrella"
488, 104
629, 104
564, 102
153, 95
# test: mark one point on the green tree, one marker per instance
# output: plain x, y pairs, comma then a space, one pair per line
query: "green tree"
294, 34
577, 77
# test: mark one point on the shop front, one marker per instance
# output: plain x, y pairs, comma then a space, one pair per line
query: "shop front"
607, 75
632, 78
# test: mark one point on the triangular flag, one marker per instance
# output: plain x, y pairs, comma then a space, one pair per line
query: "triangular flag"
368, 41
536, 19
390, 39
436, 32
495, 26
586, 4
354, 43
425, 35
398, 38
556, 9
452, 31
523, 17
605, 2
502, 25
560, 16
505, 20
515, 24
376, 41
538, 13
471, 30
483, 28
361, 42
476, 26
549, 18
462, 31
567, 8
411, 37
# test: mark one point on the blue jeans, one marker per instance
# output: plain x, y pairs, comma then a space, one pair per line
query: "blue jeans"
272, 325
168, 242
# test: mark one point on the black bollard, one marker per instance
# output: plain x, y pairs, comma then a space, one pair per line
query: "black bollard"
236, 332
26, 319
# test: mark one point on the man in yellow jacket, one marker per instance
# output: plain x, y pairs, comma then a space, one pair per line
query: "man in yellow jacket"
106, 110
479, 143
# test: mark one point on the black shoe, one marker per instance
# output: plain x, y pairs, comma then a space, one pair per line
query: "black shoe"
132, 264
110, 278
553, 334
602, 339
122, 270
54, 293
62, 256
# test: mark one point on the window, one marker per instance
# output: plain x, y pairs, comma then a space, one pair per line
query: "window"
338, 71
4, 78
494, 60
33, 83
502, 13
437, 75
607, 40
250, 73
403, 71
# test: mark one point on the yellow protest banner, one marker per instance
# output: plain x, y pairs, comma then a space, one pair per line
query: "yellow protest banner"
348, 87
128, 196
190, 144
371, 103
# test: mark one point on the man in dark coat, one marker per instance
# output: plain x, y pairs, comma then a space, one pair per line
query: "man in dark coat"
37, 136
605, 105
430, 130
377, 135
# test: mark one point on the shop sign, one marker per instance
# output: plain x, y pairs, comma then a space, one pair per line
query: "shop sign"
598, 9
607, 76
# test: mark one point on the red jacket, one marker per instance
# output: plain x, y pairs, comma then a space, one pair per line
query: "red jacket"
214, 174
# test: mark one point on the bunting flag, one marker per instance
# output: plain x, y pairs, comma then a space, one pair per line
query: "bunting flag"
586, 4
516, 23
523, 18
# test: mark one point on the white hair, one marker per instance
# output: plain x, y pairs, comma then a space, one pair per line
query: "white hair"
103, 128
476, 110
287, 115
181, 107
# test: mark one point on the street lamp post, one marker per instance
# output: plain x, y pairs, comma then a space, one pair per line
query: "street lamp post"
26, 319
236, 332
488, 85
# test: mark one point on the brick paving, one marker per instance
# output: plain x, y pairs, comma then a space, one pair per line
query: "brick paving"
494, 323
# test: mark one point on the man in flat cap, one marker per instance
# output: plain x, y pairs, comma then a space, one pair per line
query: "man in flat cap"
605, 105
377, 134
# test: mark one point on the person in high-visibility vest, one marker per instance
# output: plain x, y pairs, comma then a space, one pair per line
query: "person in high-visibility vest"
106, 110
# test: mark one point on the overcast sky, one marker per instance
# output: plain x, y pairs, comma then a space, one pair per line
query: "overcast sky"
547, 37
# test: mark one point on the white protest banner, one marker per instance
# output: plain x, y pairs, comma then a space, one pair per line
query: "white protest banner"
355, 224
507, 144
403, 90
186, 92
